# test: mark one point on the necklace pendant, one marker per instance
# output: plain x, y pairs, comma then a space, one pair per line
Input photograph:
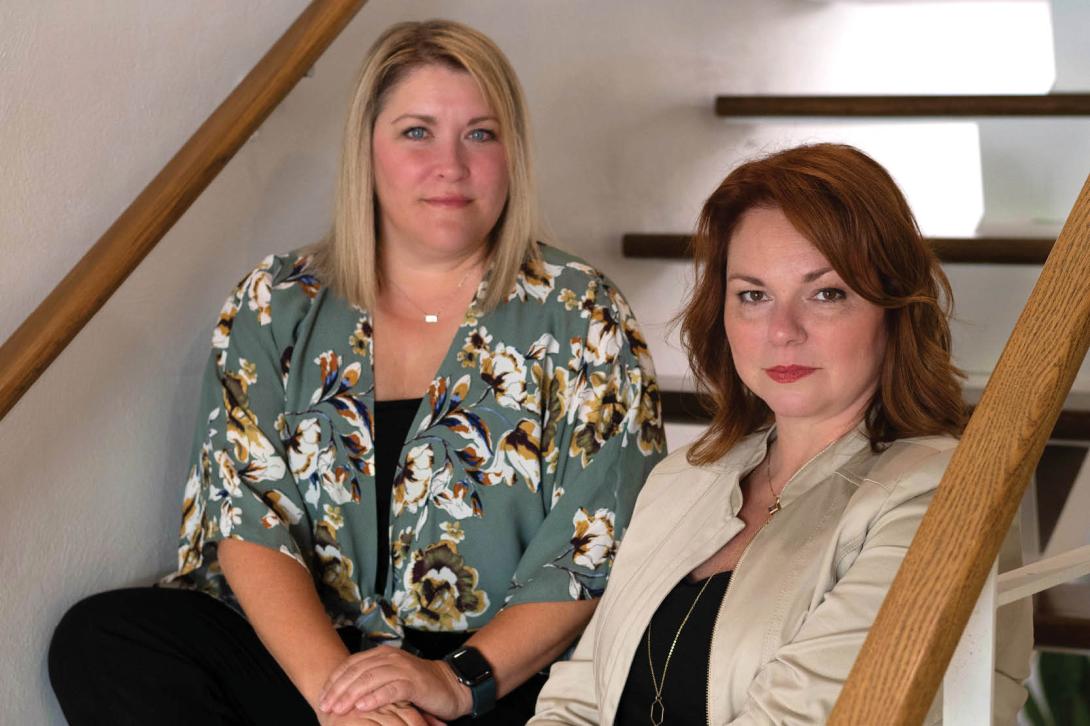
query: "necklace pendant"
431, 318
775, 507
658, 711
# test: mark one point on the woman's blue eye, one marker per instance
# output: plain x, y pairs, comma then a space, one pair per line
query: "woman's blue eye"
830, 294
482, 135
416, 132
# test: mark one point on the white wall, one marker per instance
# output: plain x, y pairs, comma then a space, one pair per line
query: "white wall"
94, 101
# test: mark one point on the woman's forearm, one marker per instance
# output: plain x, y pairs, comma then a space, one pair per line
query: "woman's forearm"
279, 599
524, 639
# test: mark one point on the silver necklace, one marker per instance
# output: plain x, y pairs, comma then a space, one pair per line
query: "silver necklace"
432, 318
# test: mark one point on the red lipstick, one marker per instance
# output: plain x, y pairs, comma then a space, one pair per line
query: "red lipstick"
788, 374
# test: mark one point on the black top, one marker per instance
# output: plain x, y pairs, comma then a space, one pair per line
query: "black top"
392, 422
685, 690
393, 419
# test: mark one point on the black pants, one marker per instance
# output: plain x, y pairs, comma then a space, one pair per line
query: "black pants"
162, 656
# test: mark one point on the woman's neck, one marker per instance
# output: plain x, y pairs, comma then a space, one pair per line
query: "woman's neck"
799, 442
425, 269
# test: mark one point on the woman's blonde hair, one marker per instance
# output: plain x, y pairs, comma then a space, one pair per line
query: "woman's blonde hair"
346, 260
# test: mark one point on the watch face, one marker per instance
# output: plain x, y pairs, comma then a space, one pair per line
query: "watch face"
470, 666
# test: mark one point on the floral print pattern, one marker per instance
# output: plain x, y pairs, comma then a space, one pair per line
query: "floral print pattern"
514, 484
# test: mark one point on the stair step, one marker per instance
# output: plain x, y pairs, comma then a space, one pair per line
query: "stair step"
1053, 104
968, 250
688, 407
1061, 617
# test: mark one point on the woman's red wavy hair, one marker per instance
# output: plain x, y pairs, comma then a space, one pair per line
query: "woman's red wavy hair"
852, 211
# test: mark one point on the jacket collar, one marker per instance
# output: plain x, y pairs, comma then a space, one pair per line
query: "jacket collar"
751, 451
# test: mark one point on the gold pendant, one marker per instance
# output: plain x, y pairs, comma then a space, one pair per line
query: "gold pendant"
658, 711
775, 507
431, 318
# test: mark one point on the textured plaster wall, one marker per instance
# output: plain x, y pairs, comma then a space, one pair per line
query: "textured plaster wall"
93, 100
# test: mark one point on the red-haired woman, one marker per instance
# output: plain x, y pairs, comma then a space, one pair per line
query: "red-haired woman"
757, 558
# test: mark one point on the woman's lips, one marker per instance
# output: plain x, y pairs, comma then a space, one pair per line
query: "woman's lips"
451, 202
788, 374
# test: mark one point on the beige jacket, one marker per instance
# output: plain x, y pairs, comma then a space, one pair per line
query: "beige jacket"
800, 600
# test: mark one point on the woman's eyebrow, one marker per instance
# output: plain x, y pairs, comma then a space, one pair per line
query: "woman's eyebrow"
432, 120
808, 277
417, 116
811, 276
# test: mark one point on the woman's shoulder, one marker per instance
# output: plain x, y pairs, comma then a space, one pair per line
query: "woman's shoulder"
566, 269
911, 466
273, 295
676, 469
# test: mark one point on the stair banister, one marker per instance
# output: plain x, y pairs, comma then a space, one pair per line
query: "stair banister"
46, 332
902, 662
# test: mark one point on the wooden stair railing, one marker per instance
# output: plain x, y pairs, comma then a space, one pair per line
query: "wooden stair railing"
46, 332
903, 660
971, 250
1053, 104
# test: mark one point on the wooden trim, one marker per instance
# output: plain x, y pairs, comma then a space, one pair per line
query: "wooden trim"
688, 407
1053, 104
951, 250
46, 332
903, 660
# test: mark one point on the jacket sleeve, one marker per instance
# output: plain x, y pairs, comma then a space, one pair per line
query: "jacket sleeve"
804, 679
601, 438
570, 695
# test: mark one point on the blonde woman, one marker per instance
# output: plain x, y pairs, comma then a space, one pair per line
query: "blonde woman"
424, 432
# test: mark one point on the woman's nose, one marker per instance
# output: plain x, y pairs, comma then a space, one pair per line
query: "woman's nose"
450, 162
785, 326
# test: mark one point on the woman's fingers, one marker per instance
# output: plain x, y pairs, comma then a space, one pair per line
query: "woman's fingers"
343, 674
382, 676
401, 714
392, 692
378, 677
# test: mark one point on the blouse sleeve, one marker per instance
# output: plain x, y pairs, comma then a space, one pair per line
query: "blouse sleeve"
601, 437
239, 484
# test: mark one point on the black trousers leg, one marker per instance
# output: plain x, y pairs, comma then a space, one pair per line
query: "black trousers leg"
163, 656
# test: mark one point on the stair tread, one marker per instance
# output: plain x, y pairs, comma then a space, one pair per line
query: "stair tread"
964, 250
1039, 105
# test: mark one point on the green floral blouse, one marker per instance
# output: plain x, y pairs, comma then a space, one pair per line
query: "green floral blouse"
517, 479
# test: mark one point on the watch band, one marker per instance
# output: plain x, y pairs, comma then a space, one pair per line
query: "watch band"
484, 696
473, 671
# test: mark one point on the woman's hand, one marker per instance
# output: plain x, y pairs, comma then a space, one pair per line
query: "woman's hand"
396, 714
385, 675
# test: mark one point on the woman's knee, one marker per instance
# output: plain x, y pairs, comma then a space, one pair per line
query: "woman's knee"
89, 633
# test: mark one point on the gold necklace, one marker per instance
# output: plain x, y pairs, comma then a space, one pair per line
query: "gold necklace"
432, 318
775, 506
658, 708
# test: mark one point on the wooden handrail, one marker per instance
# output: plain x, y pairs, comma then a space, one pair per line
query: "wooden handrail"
48, 330
903, 660
1052, 104
970, 250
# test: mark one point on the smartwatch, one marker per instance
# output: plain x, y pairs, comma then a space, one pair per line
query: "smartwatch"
473, 670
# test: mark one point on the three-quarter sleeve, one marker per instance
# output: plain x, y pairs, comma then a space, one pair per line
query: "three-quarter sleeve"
240, 485
602, 434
